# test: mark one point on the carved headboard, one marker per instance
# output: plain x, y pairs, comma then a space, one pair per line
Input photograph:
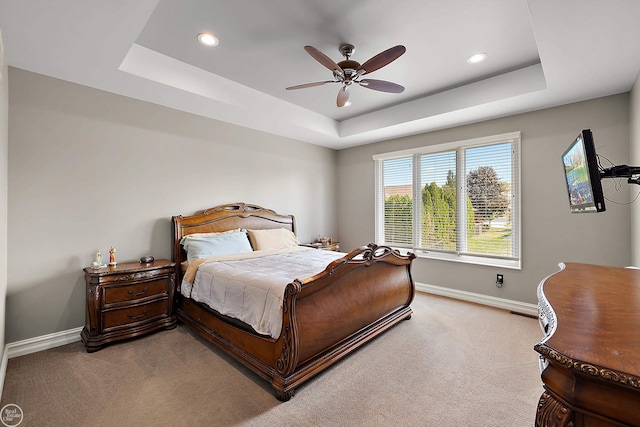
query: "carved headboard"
223, 218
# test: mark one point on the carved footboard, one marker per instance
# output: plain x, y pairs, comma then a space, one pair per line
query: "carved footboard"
328, 316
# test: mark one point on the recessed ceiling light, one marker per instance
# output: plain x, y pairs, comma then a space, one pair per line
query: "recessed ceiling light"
478, 57
346, 104
208, 39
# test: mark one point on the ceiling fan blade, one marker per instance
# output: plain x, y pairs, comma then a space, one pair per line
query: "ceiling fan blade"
343, 96
382, 59
381, 85
323, 59
302, 86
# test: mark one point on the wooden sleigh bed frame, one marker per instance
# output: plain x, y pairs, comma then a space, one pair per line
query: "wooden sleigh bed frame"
325, 317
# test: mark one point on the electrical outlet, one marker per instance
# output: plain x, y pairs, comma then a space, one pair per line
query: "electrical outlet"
499, 280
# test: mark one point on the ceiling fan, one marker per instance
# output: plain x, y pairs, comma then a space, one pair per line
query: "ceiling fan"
348, 72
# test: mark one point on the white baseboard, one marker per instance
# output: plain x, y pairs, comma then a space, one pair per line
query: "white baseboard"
511, 305
44, 342
3, 367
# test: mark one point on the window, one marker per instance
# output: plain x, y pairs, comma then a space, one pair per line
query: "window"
458, 201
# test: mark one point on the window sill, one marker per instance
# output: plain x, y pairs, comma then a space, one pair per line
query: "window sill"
467, 259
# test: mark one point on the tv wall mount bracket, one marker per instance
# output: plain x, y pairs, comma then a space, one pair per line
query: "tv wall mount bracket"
632, 173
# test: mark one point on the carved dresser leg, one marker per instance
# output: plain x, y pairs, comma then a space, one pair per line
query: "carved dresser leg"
284, 396
552, 413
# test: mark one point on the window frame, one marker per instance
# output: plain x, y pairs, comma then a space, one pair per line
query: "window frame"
514, 262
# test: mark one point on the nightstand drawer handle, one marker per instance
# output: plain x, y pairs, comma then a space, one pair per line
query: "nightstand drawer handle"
144, 291
131, 316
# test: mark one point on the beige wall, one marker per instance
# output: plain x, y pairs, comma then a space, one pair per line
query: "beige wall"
550, 234
4, 143
634, 160
89, 169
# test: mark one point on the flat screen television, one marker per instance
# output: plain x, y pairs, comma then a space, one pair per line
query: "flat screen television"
583, 175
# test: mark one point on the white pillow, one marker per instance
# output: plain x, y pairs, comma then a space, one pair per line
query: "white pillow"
275, 238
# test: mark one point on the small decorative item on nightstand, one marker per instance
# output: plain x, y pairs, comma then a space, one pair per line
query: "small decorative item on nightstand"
146, 259
112, 256
98, 261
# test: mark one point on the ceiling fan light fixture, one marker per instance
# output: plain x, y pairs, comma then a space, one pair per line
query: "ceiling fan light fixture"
208, 39
348, 71
477, 57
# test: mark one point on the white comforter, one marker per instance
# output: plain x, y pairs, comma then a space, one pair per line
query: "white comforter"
250, 287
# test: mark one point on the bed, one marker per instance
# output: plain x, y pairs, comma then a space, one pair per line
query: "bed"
324, 318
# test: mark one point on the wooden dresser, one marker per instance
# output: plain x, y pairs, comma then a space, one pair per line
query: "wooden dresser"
590, 355
127, 300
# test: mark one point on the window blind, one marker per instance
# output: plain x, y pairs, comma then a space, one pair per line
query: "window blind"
396, 192
490, 179
438, 205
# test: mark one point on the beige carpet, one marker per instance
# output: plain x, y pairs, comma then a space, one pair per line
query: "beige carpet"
452, 364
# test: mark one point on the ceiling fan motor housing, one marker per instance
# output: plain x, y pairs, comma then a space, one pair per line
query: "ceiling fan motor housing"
349, 64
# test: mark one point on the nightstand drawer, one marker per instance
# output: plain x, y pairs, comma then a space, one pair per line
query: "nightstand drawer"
135, 291
140, 313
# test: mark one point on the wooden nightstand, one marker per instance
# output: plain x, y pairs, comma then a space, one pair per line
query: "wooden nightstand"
335, 246
128, 300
